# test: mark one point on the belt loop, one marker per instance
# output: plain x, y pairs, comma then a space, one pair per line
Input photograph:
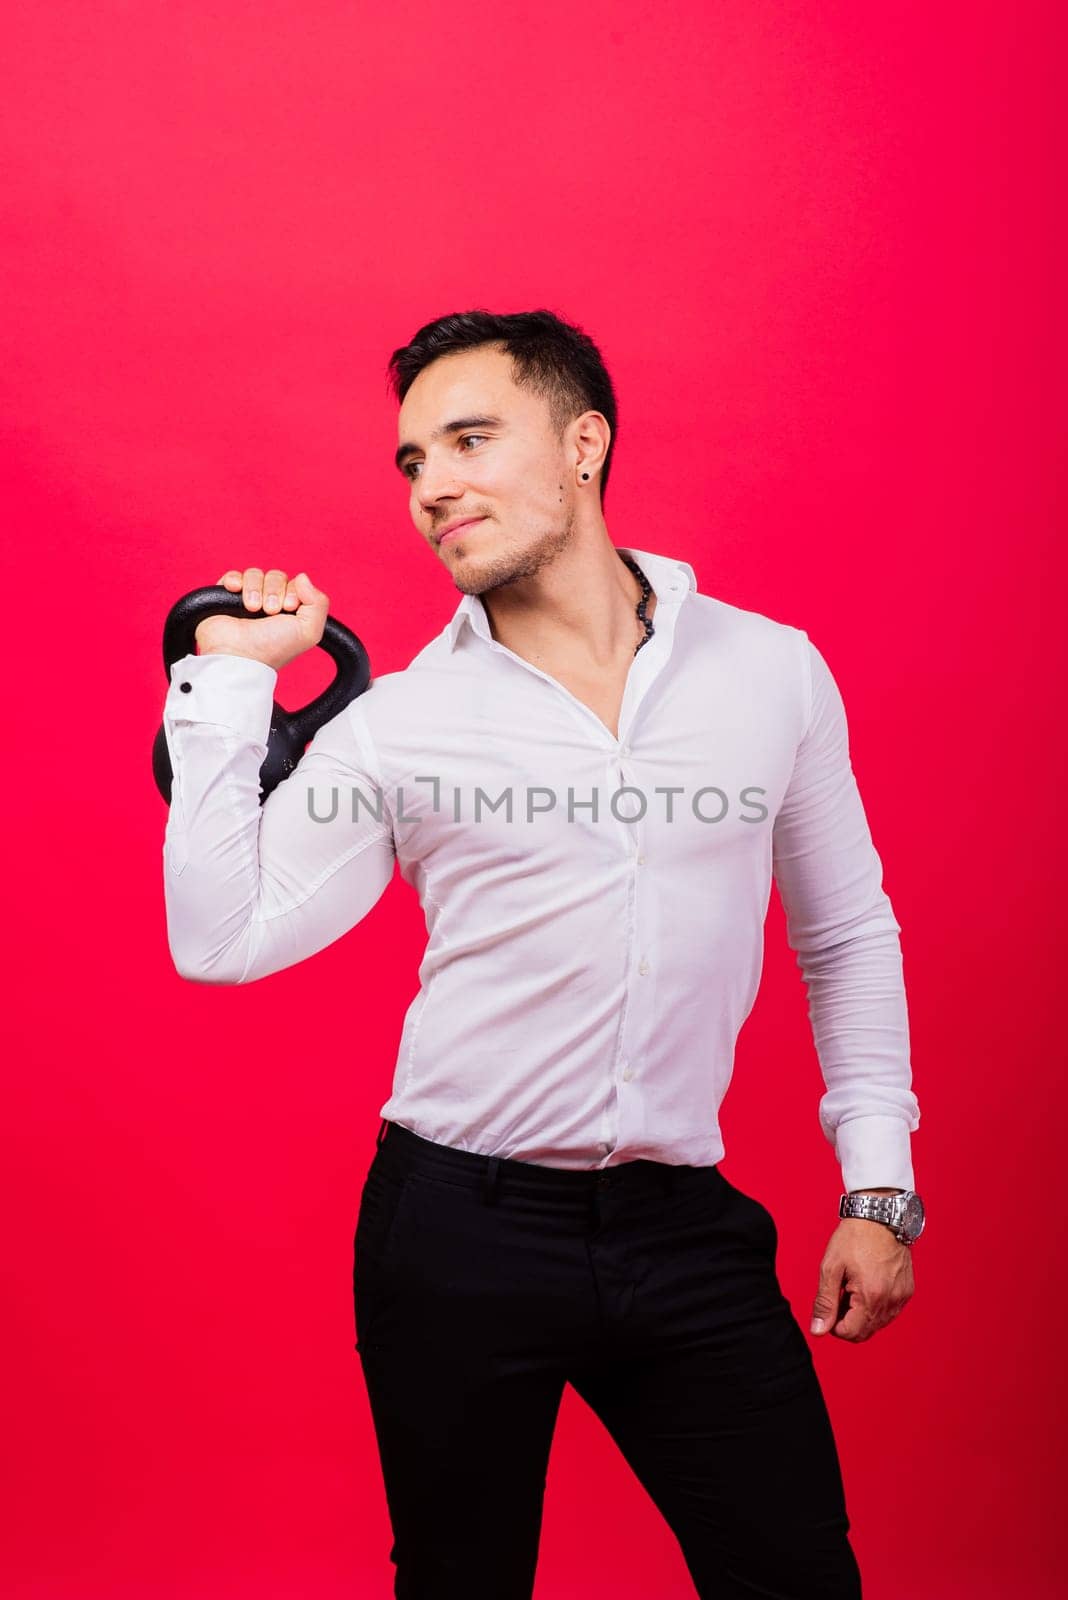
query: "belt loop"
382, 1132
489, 1182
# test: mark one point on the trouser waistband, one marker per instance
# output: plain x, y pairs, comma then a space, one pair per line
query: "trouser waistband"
405, 1151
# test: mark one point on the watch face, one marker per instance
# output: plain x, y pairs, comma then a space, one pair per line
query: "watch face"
913, 1219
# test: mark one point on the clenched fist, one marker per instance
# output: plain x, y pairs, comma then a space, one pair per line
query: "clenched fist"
296, 616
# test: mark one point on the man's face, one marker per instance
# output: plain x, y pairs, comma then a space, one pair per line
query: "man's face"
507, 470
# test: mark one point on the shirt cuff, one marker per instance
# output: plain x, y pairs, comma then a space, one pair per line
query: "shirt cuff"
874, 1152
233, 692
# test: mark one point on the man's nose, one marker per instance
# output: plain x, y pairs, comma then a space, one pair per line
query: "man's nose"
437, 483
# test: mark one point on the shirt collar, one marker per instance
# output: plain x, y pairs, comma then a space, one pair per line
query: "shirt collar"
670, 580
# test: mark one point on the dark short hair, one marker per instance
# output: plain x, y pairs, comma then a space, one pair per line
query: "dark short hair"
549, 356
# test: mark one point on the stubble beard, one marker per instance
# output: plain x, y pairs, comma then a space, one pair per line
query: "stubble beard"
504, 567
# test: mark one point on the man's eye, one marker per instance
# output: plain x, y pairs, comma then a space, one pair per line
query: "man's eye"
409, 471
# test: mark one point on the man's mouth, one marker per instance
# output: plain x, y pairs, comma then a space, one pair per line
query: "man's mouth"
457, 527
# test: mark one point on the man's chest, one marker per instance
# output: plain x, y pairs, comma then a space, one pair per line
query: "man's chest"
600, 693
545, 776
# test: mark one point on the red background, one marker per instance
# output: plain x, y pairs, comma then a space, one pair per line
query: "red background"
816, 243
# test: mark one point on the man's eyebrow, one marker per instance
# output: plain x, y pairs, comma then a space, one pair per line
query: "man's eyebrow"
458, 423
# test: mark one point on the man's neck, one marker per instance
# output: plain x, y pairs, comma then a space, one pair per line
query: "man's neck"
580, 610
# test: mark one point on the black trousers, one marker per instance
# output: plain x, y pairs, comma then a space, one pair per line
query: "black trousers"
483, 1285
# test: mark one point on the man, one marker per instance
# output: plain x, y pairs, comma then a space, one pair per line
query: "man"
589, 776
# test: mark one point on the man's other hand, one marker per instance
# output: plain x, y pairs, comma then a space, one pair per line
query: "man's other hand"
865, 1280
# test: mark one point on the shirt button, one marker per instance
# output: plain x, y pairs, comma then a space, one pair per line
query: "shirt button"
643, 967
185, 687
625, 750
641, 861
628, 1073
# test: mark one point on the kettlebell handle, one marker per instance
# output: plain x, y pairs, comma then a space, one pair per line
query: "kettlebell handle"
290, 731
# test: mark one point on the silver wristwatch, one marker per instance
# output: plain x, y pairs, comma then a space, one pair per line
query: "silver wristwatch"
902, 1212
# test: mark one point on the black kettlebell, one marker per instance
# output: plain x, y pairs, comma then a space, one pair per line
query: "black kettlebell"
290, 730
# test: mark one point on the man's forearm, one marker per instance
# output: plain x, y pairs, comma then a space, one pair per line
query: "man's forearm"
251, 889
841, 923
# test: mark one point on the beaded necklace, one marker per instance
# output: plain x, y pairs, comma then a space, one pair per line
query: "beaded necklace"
647, 589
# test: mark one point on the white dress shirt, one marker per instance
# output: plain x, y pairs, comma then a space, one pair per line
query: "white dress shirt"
592, 956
